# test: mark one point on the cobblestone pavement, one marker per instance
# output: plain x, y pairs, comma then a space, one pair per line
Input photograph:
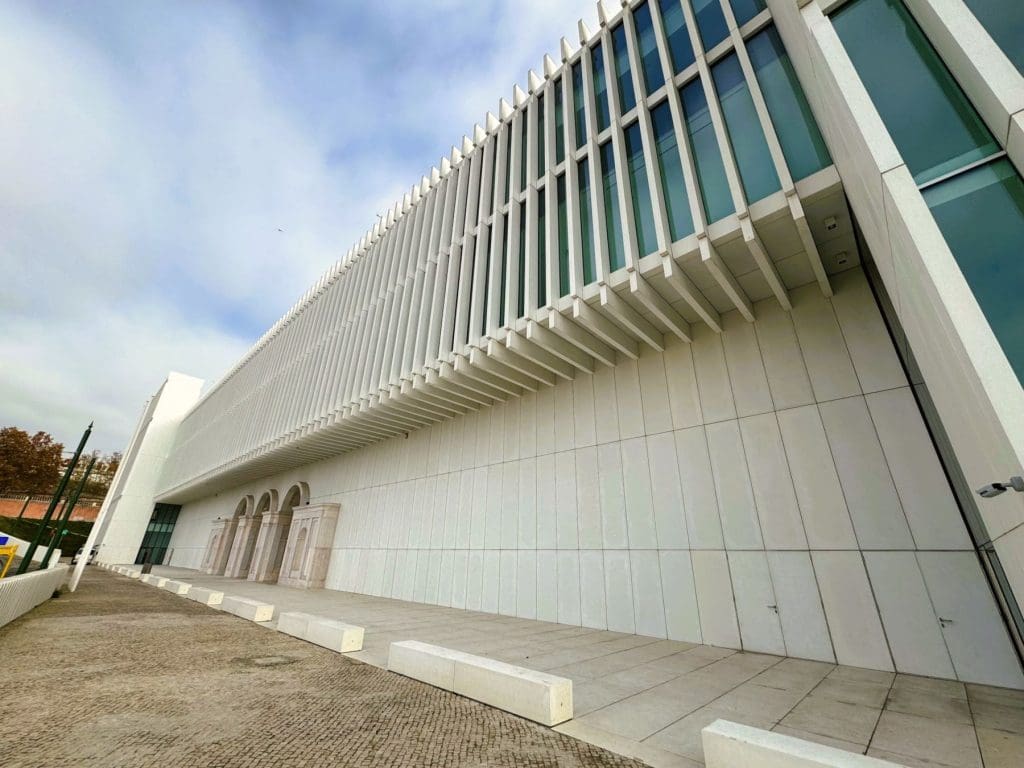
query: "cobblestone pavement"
120, 674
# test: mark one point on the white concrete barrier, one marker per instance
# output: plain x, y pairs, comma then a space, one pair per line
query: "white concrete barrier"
320, 630
133, 574
537, 696
176, 587
253, 610
205, 596
728, 744
152, 580
20, 594
294, 623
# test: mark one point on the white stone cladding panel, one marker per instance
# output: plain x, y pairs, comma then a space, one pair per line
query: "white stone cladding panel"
738, 530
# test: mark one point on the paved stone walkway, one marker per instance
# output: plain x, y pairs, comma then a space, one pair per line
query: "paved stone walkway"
121, 674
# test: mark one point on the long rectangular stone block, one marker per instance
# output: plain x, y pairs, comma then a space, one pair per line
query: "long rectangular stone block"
727, 744
152, 580
294, 623
176, 587
537, 696
335, 635
205, 596
253, 610
133, 574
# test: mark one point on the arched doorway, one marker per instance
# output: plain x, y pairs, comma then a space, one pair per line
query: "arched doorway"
223, 531
245, 539
297, 496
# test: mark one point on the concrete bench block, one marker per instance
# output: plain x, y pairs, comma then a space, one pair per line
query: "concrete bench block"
153, 581
727, 744
334, 635
537, 696
133, 574
176, 587
253, 610
205, 596
294, 623
421, 661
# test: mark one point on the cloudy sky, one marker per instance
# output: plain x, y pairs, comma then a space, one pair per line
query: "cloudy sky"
150, 152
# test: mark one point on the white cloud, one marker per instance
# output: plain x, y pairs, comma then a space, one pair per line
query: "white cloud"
144, 176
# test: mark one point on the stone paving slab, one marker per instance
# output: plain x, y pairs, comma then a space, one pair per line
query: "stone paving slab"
136, 677
648, 697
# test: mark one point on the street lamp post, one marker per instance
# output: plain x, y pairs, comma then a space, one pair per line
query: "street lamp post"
69, 507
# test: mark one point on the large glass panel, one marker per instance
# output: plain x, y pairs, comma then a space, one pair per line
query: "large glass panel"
522, 150
508, 162
600, 87
1004, 20
646, 237
714, 187
647, 44
673, 186
559, 123
623, 72
563, 238
487, 279
489, 200
612, 214
745, 10
679, 46
710, 22
586, 223
757, 171
578, 104
541, 157
521, 308
542, 251
794, 123
934, 126
981, 215
502, 298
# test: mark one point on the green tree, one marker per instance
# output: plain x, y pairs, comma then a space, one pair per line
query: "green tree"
29, 463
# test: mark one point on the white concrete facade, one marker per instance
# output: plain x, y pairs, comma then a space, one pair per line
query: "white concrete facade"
714, 442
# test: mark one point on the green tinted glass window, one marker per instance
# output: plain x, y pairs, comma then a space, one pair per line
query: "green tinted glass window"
522, 151
600, 87
563, 238
502, 297
673, 185
488, 277
710, 22
714, 187
508, 162
623, 72
542, 252
981, 215
578, 104
934, 126
745, 10
1004, 20
559, 123
679, 46
521, 307
612, 214
489, 199
541, 157
646, 237
586, 223
794, 123
647, 44
757, 171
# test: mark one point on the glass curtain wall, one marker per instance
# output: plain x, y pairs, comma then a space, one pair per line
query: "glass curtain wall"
975, 195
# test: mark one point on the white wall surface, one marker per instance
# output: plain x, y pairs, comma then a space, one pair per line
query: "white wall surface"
771, 488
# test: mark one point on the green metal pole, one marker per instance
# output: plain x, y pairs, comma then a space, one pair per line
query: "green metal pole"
24, 506
69, 507
27, 558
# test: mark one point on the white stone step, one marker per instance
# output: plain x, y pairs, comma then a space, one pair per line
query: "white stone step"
253, 610
176, 587
205, 596
537, 696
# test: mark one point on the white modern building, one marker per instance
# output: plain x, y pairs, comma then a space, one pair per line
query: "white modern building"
710, 334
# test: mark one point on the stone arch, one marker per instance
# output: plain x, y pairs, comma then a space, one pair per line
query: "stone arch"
244, 507
276, 536
267, 504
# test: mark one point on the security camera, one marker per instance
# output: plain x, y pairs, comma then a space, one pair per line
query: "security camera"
995, 489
